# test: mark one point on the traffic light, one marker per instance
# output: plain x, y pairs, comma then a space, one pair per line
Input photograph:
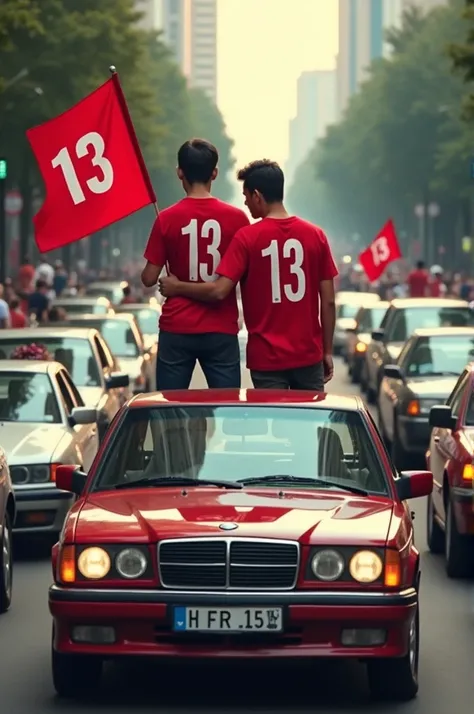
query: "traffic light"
3, 169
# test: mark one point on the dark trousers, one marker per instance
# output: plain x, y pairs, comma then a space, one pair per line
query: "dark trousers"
217, 353
311, 377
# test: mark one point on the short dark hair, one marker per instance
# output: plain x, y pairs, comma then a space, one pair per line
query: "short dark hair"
420, 264
41, 284
197, 159
14, 304
266, 177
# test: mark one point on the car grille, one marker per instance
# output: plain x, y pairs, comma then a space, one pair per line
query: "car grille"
228, 564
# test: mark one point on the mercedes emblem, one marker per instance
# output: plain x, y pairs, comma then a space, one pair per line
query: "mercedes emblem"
228, 526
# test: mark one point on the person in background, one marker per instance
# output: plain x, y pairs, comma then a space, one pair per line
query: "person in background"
127, 296
38, 302
436, 286
57, 314
60, 278
286, 273
191, 237
417, 281
26, 274
4, 311
44, 272
17, 317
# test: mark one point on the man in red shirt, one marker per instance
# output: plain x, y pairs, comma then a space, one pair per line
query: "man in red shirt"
190, 238
417, 281
286, 273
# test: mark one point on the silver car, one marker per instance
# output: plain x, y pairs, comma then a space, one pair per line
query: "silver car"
347, 306
86, 356
110, 289
82, 305
148, 316
43, 423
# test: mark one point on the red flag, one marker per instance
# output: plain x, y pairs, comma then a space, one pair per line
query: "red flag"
92, 168
383, 250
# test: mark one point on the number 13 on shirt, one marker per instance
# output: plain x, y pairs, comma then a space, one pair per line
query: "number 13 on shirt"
292, 251
209, 229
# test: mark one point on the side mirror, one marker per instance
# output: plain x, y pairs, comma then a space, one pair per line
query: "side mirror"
378, 335
442, 417
83, 415
393, 371
414, 484
70, 478
117, 380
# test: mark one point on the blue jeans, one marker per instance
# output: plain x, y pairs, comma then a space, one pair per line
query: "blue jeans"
217, 353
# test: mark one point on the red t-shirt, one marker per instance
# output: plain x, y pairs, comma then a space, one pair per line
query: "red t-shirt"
280, 263
417, 282
17, 319
191, 237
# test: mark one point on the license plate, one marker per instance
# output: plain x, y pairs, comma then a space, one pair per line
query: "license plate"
229, 619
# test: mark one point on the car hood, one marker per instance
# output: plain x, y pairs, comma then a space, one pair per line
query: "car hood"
364, 337
131, 366
345, 323
30, 443
91, 395
432, 387
394, 349
149, 515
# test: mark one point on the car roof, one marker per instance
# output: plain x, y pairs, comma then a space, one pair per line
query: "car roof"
88, 300
108, 284
384, 304
428, 302
31, 333
254, 397
85, 317
353, 294
136, 306
443, 331
29, 365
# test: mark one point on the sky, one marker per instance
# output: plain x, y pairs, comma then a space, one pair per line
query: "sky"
263, 46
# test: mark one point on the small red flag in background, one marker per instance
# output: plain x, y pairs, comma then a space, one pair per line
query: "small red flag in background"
383, 250
92, 168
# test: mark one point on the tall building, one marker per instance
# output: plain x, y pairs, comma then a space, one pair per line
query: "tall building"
315, 110
362, 26
190, 30
149, 9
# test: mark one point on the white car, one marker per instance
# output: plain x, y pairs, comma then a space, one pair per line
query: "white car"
7, 521
43, 424
147, 316
347, 307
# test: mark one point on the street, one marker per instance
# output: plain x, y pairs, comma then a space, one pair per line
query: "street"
447, 654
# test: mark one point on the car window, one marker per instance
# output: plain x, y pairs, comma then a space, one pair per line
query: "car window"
105, 354
65, 393
232, 443
404, 356
79, 402
347, 310
28, 397
121, 338
370, 318
455, 398
147, 320
407, 320
74, 353
440, 355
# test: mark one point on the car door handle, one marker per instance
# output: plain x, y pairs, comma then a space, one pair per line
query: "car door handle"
436, 439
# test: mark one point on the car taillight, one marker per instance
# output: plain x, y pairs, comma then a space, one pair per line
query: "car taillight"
468, 473
66, 571
393, 570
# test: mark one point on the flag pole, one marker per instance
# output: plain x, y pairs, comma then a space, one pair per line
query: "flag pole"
113, 72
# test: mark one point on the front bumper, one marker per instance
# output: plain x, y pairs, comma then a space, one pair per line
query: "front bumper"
41, 510
414, 433
313, 623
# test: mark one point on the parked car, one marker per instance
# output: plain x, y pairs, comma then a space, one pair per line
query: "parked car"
82, 305
427, 370
403, 317
367, 318
110, 289
88, 359
450, 516
217, 521
7, 522
147, 316
347, 306
44, 423
123, 335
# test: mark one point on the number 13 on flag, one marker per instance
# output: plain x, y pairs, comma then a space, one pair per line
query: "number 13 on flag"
383, 250
92, 168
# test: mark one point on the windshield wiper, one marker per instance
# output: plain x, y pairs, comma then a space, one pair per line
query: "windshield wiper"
158, 481
282, 478
444, 373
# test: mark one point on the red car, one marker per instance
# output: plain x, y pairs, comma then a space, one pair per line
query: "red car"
450, 514
231, 524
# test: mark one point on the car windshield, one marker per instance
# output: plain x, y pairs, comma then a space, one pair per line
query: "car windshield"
28, 397
74, 353
148, 320
440, 355
120, 337
234, 444
372, 318
112, 294
346, 310
74, 308
409, 319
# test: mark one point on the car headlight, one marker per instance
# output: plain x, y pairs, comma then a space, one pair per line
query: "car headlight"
131, 563
366, 566
94, 563
327, 565
29, 475
361, 347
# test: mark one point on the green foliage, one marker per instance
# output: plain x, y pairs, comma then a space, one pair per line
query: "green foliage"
401, 140
67, 47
